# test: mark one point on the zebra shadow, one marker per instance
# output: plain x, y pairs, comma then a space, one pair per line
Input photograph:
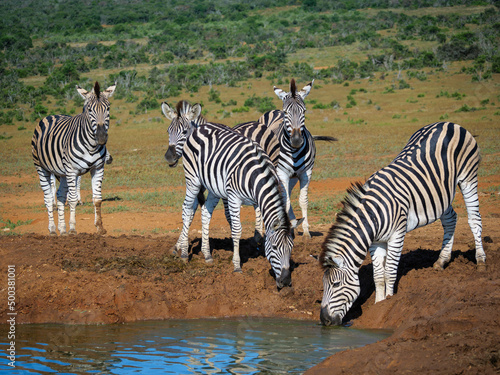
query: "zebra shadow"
249, 249
413, 260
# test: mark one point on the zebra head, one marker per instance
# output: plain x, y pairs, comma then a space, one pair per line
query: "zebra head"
184, 119
96, 108
340, 289
278, 249
294, 111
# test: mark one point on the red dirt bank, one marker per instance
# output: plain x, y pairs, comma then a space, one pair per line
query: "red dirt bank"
445, 322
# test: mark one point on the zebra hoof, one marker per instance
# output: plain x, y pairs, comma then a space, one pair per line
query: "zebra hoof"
53, 234
72, 232
173, 251
209, 260
184, 258
100, 231
237, 270
481, 266
438, 266
63, 233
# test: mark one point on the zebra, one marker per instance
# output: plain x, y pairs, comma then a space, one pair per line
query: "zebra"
298, 151
68, 147
414, 190
238, 171
186, 117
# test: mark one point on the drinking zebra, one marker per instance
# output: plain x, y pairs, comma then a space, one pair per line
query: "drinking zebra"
68, 147
416, 189
235, 169
298, 150
185, 118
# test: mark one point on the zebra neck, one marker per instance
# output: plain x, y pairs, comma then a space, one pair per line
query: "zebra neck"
86, 132
270, 201
352, 235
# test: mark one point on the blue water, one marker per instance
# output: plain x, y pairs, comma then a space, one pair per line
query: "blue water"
229, 346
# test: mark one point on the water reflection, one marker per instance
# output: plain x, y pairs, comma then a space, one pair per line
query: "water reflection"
232, 346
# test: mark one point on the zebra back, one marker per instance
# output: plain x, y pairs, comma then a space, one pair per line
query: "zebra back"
263, 131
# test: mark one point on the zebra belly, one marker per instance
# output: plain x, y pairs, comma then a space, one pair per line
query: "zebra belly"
415, 220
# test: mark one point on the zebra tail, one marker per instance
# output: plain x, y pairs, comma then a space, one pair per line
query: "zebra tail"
201, 198
324, 138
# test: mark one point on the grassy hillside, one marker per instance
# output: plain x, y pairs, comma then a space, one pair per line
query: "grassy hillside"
380, 74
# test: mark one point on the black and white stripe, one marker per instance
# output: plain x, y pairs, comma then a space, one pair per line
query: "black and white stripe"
298, 151
235, 169
416, 189
68, 147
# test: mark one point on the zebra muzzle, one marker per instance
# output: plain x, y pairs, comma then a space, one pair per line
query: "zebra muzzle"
101, 135
328, 320
171, 157
296, 139
285, 278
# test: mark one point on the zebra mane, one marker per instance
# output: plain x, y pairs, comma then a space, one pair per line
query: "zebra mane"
355, 194
182, 107
293, 88
97, 90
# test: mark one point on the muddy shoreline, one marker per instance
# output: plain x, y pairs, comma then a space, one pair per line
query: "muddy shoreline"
443, 322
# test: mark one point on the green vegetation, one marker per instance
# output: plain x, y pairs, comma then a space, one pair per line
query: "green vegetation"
381, 71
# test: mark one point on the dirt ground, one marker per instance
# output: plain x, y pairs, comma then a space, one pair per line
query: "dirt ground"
444, 322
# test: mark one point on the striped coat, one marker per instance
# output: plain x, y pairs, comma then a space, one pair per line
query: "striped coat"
416, 189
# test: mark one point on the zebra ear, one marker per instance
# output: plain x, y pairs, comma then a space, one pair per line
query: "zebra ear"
168, 111
83, 93
279, 92
296, 223
195, 112
108, 93
334, 262
306, 90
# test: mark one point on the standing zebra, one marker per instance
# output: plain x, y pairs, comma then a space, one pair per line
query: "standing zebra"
298, 150
68, 147
416, 189
185, 118
236, 170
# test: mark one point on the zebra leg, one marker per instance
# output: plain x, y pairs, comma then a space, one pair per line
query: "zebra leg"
97, 176
449, 223
394, 248
78, 186
287, 186
259, 231
62, 195
378, 253
469, 192
206, 215
291, 215
226, 212
48, 197
54, 189
305, 179
71, 180
188, 209
234, 209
